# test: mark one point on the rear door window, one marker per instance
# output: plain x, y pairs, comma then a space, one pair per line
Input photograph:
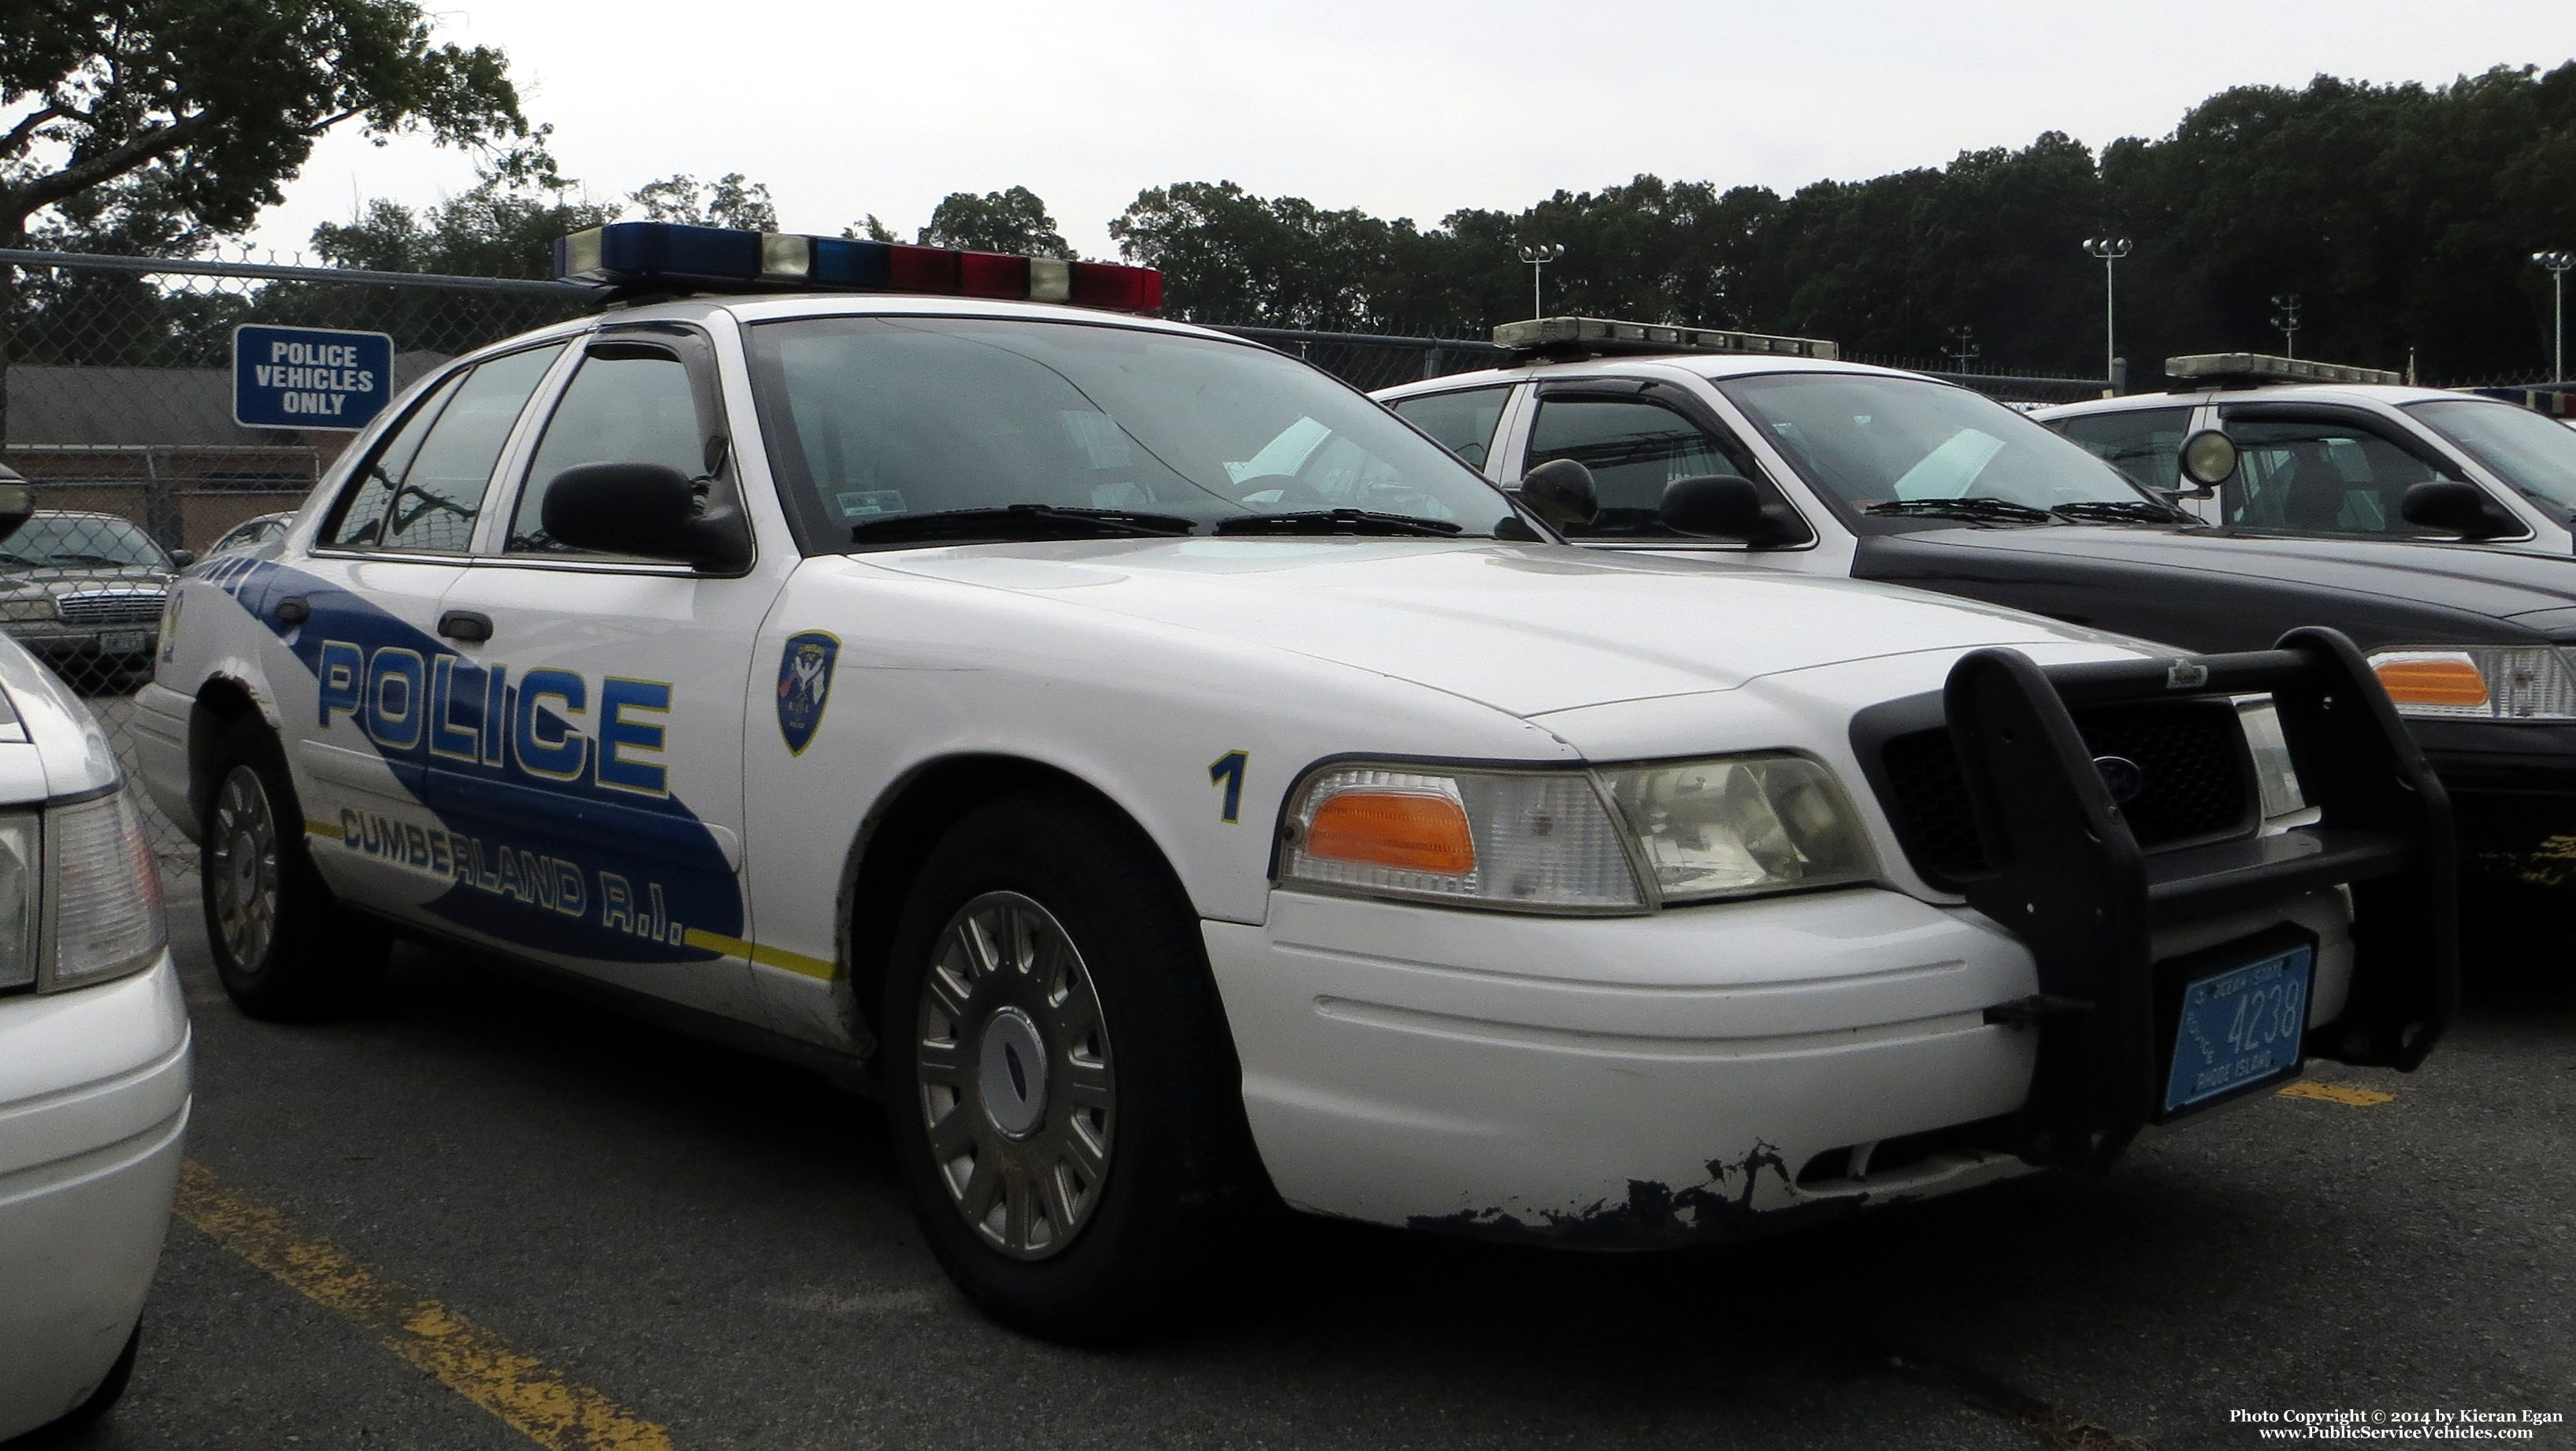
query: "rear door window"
1463, 422
2144, 443
425, 487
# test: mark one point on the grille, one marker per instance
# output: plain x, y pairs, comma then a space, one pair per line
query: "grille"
2191, 755
122, 607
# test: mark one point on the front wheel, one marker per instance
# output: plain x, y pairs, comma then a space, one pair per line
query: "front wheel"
283, 945
1061, 1086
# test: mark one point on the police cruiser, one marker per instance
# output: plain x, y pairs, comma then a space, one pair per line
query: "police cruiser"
2290, 446
1772, 451
1172, 781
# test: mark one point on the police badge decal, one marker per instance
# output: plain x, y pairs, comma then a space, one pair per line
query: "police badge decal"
804, 683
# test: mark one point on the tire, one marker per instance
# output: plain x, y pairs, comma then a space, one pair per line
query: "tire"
284, 946
1075, 1073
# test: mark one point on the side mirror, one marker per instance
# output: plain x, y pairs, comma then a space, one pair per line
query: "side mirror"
650, 511
2453, 507
17, 501
182, 558
1560, 491
1730, 506
2209, 459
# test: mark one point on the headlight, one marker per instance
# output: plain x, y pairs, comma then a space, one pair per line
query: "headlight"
34, 609
1617, 839
2479, 682
21, 891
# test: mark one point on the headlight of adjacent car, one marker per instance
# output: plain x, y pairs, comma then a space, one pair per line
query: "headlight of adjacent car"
1611, 839
40, 607
80, 898
2480, 682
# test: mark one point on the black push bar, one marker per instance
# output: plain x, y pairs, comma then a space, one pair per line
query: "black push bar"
2064, 873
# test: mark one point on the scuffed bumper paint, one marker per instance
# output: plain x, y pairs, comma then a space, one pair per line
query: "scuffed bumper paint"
1638, 1082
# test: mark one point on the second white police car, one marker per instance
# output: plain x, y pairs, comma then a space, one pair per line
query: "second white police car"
1174, 781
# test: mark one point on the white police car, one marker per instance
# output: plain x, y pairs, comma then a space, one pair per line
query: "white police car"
1172, 779
2324, 449
94, 1052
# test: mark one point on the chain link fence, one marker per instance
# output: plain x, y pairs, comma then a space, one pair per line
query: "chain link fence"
116, 404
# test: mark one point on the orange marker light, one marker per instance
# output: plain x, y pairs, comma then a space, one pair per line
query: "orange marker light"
2433, 680
1409, 830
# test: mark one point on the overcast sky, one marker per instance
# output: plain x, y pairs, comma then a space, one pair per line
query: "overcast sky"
1400, 107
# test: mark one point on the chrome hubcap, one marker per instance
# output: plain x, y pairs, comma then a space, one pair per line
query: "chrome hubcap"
1014, 1074
241, 868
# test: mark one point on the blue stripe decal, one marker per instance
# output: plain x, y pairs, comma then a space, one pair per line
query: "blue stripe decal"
536, 848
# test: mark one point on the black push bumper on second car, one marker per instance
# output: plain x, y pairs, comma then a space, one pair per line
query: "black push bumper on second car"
2055, 860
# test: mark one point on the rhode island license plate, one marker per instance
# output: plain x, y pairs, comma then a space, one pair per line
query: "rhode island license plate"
2240, 1027
133, 642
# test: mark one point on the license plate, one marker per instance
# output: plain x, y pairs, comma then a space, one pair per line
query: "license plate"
130, 642
2240, 1027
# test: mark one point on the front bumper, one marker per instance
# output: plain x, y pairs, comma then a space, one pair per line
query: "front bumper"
1634, 1082
94, 1099
46, 638
2514, 787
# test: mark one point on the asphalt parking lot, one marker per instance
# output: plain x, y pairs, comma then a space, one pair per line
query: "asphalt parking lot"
489, 1212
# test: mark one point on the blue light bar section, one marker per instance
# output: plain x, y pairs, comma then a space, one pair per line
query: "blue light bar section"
841, 262
623, 251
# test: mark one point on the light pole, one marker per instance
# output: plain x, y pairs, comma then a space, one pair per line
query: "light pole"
1967, 352
2110, 250
1538, 256
2558, 263
2287, 320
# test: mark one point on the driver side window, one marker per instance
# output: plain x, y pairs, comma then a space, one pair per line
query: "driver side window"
632, 402
2320, 478
1633, 448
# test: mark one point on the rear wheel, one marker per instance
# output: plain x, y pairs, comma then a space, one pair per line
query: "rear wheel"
1061, 1087
283, 945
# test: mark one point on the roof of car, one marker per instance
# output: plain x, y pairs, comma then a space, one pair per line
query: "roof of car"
2297, 392
1705, 365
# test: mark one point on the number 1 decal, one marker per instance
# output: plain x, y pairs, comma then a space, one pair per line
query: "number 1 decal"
1228, 768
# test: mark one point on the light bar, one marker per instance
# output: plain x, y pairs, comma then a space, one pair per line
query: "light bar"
1602, 335
645, 256
2263, 367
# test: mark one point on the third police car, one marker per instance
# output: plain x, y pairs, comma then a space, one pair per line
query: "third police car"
1172, 780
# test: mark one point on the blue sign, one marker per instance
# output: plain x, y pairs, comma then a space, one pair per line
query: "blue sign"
310, 377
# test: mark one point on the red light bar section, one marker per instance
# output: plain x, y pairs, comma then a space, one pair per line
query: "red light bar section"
1127, 289
992, 274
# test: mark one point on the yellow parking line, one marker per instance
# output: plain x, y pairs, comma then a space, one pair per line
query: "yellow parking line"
2342, 1093
535, 1399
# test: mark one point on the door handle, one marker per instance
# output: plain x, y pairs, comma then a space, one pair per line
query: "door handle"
292, 610
471, 626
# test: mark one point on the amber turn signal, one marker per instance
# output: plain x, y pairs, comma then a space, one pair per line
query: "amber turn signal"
2433, 680
1410, 831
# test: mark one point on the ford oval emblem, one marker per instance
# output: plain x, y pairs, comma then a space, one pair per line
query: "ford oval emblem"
2125, 777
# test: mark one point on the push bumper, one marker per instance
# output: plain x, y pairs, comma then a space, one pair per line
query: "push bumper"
94, 1098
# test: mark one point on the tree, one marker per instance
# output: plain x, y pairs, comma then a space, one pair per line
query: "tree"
200, 109
729, 202
497, 229
1013, 221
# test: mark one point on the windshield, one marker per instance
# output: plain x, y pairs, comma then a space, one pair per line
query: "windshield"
79, 540
2533, 453
871, 419
1895, 445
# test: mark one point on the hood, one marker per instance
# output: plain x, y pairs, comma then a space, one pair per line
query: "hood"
1526, 629
2501, 583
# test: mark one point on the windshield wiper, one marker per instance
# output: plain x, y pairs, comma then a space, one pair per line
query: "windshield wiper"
1019, 521
1982, 508
1335, 521
2122, 511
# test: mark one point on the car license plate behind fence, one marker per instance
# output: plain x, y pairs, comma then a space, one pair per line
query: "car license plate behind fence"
133, 642
2240, 1027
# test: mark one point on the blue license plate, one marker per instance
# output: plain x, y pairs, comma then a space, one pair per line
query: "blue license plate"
2240, 1027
